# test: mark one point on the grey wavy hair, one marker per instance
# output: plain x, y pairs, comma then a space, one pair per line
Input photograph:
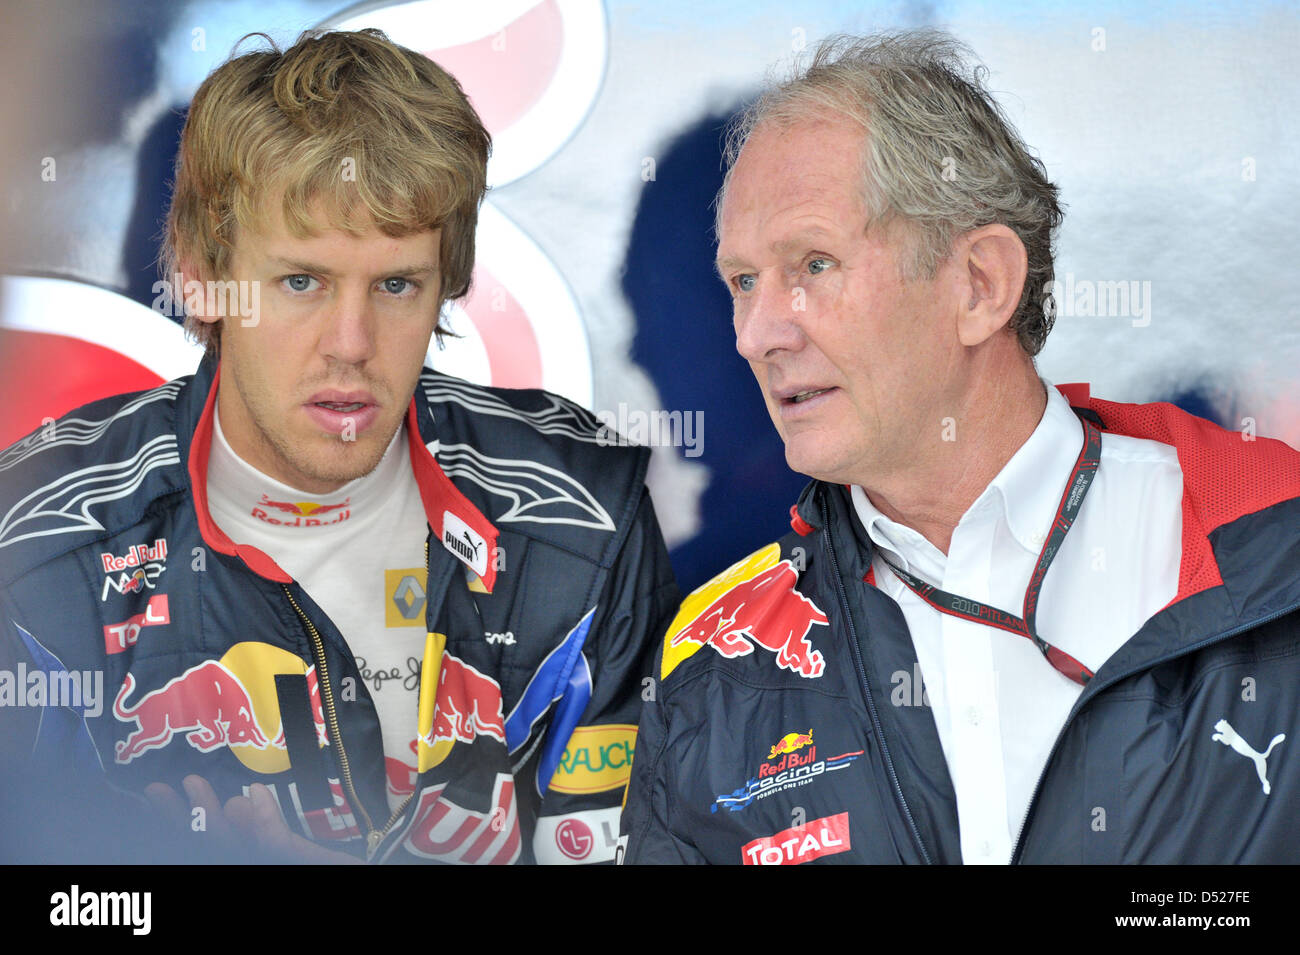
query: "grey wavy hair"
939, 153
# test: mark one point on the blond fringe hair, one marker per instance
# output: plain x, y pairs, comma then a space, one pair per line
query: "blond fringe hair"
374, 133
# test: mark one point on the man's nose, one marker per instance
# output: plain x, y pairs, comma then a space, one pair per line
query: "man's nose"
766, 319
349, 333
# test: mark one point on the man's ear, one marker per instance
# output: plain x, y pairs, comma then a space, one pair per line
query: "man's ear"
192, 293
994, 278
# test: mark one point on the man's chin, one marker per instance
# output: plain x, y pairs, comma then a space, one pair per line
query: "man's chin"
811, 460
335, 462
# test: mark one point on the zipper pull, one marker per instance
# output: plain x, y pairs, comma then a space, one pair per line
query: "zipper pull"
373, 838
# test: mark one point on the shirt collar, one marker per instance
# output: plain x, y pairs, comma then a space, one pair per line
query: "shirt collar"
238, 487
1026, 491
1032, 482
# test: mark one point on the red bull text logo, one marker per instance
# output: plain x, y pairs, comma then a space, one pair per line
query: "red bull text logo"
443, 830
136, 556
304, 513
764, 611
793, 768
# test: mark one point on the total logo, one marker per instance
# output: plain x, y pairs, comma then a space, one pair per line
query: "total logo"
305, 513
119, 636
792, 769
812, 840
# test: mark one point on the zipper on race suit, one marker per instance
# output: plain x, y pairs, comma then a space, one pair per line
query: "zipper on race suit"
866, 689
1094, 688
331, 717
374, 837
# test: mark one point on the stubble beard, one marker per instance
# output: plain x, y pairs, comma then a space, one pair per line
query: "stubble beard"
321, 459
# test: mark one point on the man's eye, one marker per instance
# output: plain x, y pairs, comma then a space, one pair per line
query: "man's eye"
746, 283
819, 265
397, 286
299, 283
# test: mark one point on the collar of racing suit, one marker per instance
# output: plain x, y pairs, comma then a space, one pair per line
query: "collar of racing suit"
194, 428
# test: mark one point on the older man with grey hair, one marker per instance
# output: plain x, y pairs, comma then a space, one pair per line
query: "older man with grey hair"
1012, 621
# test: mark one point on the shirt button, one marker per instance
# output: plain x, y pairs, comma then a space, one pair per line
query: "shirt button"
985, 848
973, 715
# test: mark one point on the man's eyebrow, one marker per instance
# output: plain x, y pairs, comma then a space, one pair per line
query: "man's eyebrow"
794, 243
727, 262
299, 265
800, 240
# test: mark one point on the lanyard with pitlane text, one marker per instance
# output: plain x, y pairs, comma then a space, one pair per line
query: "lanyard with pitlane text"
1076, 489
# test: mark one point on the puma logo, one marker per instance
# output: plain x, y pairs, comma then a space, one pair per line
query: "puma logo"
1228, 737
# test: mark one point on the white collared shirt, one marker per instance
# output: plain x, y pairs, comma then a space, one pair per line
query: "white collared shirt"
998, 704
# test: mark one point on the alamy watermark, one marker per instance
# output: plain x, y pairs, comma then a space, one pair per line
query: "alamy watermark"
673, 429
71, 688
79, 907
214, 299
1086, 298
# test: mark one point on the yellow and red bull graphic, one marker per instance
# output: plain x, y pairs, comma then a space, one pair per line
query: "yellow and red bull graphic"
229, 702
751, 604
597, 759
302, 513
458, 703
789, 743
820, 837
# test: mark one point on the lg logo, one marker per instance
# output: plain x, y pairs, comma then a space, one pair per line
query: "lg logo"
574, 839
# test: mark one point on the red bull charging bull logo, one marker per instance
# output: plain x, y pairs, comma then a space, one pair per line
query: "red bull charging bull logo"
751, 604
457, 704
206, 702
228, 702
789, 743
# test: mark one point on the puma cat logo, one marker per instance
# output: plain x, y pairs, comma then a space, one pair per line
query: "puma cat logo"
1229, 737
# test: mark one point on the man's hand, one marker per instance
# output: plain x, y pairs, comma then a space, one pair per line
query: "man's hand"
253, 823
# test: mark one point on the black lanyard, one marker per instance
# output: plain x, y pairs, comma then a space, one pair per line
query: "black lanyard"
1085, 469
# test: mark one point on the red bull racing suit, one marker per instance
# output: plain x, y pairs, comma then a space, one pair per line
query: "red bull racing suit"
547, 584
781, 734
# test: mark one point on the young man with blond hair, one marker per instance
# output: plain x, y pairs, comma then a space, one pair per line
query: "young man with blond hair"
342, 602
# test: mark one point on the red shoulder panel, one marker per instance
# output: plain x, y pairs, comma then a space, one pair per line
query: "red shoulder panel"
1226, 475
